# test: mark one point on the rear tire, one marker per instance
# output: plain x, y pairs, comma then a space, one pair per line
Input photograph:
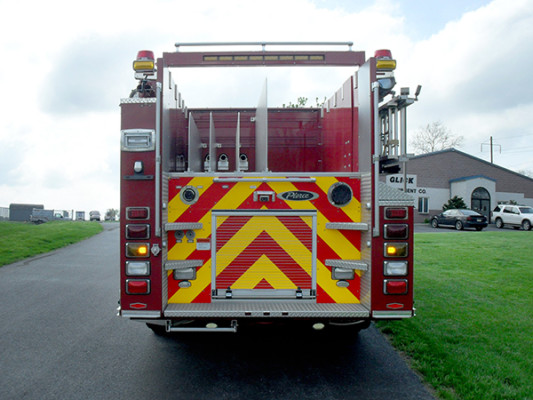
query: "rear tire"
499, 223
159, 330
526, 225
459, 225
434, 223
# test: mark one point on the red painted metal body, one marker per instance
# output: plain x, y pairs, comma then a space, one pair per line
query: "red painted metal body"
304, 237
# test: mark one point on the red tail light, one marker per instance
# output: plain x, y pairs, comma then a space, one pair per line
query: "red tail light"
137, 286
396, 286
396, 212
137, 213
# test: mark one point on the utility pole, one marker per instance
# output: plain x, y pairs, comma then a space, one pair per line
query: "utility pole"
491, 144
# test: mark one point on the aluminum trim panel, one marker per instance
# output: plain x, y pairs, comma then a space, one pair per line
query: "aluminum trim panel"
250, 309
138, 100
176, 226
183, 264
349, 264
392, 314
352, 226
140, 314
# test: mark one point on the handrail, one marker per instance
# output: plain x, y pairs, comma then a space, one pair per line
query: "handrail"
263, 44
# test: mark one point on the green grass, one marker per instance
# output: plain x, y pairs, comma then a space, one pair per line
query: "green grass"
20, 240
472, 337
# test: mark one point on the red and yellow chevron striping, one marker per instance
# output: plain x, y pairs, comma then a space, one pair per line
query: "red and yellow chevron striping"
263, 246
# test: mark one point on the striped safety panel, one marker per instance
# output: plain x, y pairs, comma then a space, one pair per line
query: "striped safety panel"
263, 254
258, 238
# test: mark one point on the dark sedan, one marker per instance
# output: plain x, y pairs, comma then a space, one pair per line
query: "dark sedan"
460, 219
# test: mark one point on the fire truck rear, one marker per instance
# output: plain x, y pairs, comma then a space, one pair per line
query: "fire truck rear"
253, 215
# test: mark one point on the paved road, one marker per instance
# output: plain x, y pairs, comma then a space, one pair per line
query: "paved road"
60, 339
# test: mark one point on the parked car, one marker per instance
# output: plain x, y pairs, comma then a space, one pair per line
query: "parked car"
460, 219
94, 216
512, 215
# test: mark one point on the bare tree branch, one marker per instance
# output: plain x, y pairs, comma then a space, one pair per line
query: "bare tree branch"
435, 137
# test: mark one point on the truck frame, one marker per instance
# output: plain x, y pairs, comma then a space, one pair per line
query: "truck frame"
267, 214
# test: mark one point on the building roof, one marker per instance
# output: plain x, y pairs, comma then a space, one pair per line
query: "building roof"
452, 150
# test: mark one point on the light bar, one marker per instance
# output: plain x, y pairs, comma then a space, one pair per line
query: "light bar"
255, 57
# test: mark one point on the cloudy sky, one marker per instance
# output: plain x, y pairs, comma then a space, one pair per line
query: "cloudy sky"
66, 66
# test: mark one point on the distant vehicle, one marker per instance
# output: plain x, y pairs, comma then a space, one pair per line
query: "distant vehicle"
512, 215
94, 216
460, 219
80, 215
39, 216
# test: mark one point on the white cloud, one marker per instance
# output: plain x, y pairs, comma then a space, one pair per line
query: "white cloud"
69, 68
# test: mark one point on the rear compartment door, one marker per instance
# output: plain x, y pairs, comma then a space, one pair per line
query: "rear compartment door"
264, 254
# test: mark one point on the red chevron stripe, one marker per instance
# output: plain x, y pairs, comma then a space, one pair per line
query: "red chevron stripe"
205, 203
263, 245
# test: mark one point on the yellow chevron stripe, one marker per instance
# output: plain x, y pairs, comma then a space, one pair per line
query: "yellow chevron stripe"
338, 294
203, 279
336, 240
277, 231
263, 268
176, 207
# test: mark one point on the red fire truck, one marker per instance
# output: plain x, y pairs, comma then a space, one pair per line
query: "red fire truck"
257, 215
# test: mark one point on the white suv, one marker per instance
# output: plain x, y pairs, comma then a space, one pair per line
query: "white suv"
515, 216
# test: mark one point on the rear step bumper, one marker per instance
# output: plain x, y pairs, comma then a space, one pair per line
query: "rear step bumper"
249, 309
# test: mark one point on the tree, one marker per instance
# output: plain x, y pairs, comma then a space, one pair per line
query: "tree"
435, 137
111, 214
454, 202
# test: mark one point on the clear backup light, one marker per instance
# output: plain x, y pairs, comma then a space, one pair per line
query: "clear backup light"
137, 268
395, 268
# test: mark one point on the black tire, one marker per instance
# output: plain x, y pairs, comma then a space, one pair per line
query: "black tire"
526, 225
459, 225
499, 223
159, 330
434, 223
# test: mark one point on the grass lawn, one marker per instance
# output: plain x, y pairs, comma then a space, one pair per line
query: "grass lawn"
21, 240
472, 337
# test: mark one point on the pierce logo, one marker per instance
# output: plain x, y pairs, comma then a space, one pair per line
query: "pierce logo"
298, 195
